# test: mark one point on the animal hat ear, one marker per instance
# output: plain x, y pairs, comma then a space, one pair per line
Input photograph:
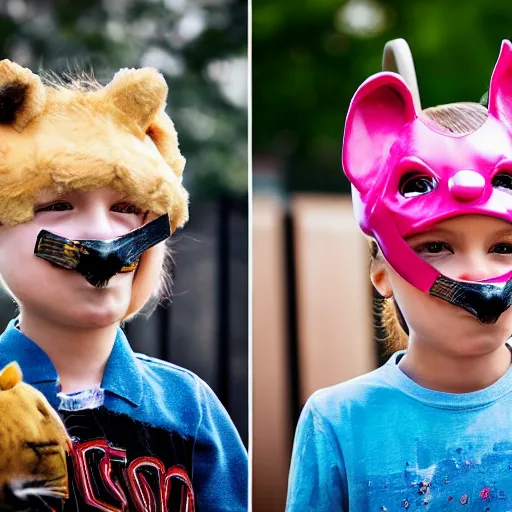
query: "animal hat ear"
138, 94
380, 107
500, 90
163, 134
10, 376
397, 58
22, 95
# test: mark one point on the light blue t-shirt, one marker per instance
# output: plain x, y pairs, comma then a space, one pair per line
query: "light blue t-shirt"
381, 442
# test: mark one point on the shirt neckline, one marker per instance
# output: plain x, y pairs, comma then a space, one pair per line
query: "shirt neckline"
441, 399
122, 375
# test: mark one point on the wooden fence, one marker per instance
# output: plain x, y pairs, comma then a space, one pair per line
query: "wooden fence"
312, 321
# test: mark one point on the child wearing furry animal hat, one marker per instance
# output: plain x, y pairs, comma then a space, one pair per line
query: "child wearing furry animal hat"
90, 187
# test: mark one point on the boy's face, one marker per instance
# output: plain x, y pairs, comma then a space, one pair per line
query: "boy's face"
470, 248
61, 295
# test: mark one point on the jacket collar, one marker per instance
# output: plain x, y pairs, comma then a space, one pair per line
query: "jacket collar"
122, 375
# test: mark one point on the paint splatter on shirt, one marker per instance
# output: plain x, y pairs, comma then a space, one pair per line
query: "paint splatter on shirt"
382, 442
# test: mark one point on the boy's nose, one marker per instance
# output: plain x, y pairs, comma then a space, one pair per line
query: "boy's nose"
471, 276
479, 271
467, 185
95, 225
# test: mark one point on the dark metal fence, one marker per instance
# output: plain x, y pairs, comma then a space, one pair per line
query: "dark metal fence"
205, 329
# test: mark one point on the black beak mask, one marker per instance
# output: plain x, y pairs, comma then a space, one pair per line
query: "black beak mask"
99, 260
487, 301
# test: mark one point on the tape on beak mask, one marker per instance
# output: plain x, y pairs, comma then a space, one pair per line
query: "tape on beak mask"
99, 260
486, 301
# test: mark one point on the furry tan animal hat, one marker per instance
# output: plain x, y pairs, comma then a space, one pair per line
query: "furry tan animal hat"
85, 136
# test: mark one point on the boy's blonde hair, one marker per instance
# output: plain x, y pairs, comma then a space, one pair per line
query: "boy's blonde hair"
457, 118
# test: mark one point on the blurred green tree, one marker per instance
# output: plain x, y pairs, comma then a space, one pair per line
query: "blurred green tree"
199, 45
309, 57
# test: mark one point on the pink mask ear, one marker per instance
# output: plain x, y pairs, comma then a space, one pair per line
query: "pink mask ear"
381, 106
500, 90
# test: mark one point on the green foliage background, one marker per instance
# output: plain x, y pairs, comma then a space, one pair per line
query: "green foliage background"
105, 35
308, 61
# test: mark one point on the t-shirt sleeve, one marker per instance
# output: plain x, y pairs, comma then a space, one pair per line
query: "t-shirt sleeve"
316, 473
220, 460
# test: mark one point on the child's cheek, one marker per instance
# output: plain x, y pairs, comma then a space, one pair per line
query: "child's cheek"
18, 264
17, 242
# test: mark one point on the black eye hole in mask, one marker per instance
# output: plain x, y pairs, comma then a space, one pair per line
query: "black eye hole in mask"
487, 301
99, 260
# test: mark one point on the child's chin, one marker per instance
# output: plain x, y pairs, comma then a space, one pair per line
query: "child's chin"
96, 315
479, 344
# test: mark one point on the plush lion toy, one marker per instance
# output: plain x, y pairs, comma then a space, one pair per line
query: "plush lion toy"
33, 446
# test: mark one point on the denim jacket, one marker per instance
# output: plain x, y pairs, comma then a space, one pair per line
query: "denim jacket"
154, 436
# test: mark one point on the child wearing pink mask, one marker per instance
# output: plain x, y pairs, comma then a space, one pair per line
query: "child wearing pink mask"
90, 189
431, 428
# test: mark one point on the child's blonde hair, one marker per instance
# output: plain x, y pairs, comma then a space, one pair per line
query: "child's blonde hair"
457, 118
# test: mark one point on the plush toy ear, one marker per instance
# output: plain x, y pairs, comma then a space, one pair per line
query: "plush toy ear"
22, 95
10, 376
139, 94
380, 107
500, 90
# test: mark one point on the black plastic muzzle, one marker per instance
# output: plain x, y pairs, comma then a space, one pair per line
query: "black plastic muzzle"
487, 301
99, 260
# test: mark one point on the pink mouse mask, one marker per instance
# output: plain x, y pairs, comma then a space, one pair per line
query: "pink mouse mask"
408, 175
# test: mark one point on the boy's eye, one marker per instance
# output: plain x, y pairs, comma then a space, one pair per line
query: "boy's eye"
502, 249
126, 208
413, 184
58, 206
435, 247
